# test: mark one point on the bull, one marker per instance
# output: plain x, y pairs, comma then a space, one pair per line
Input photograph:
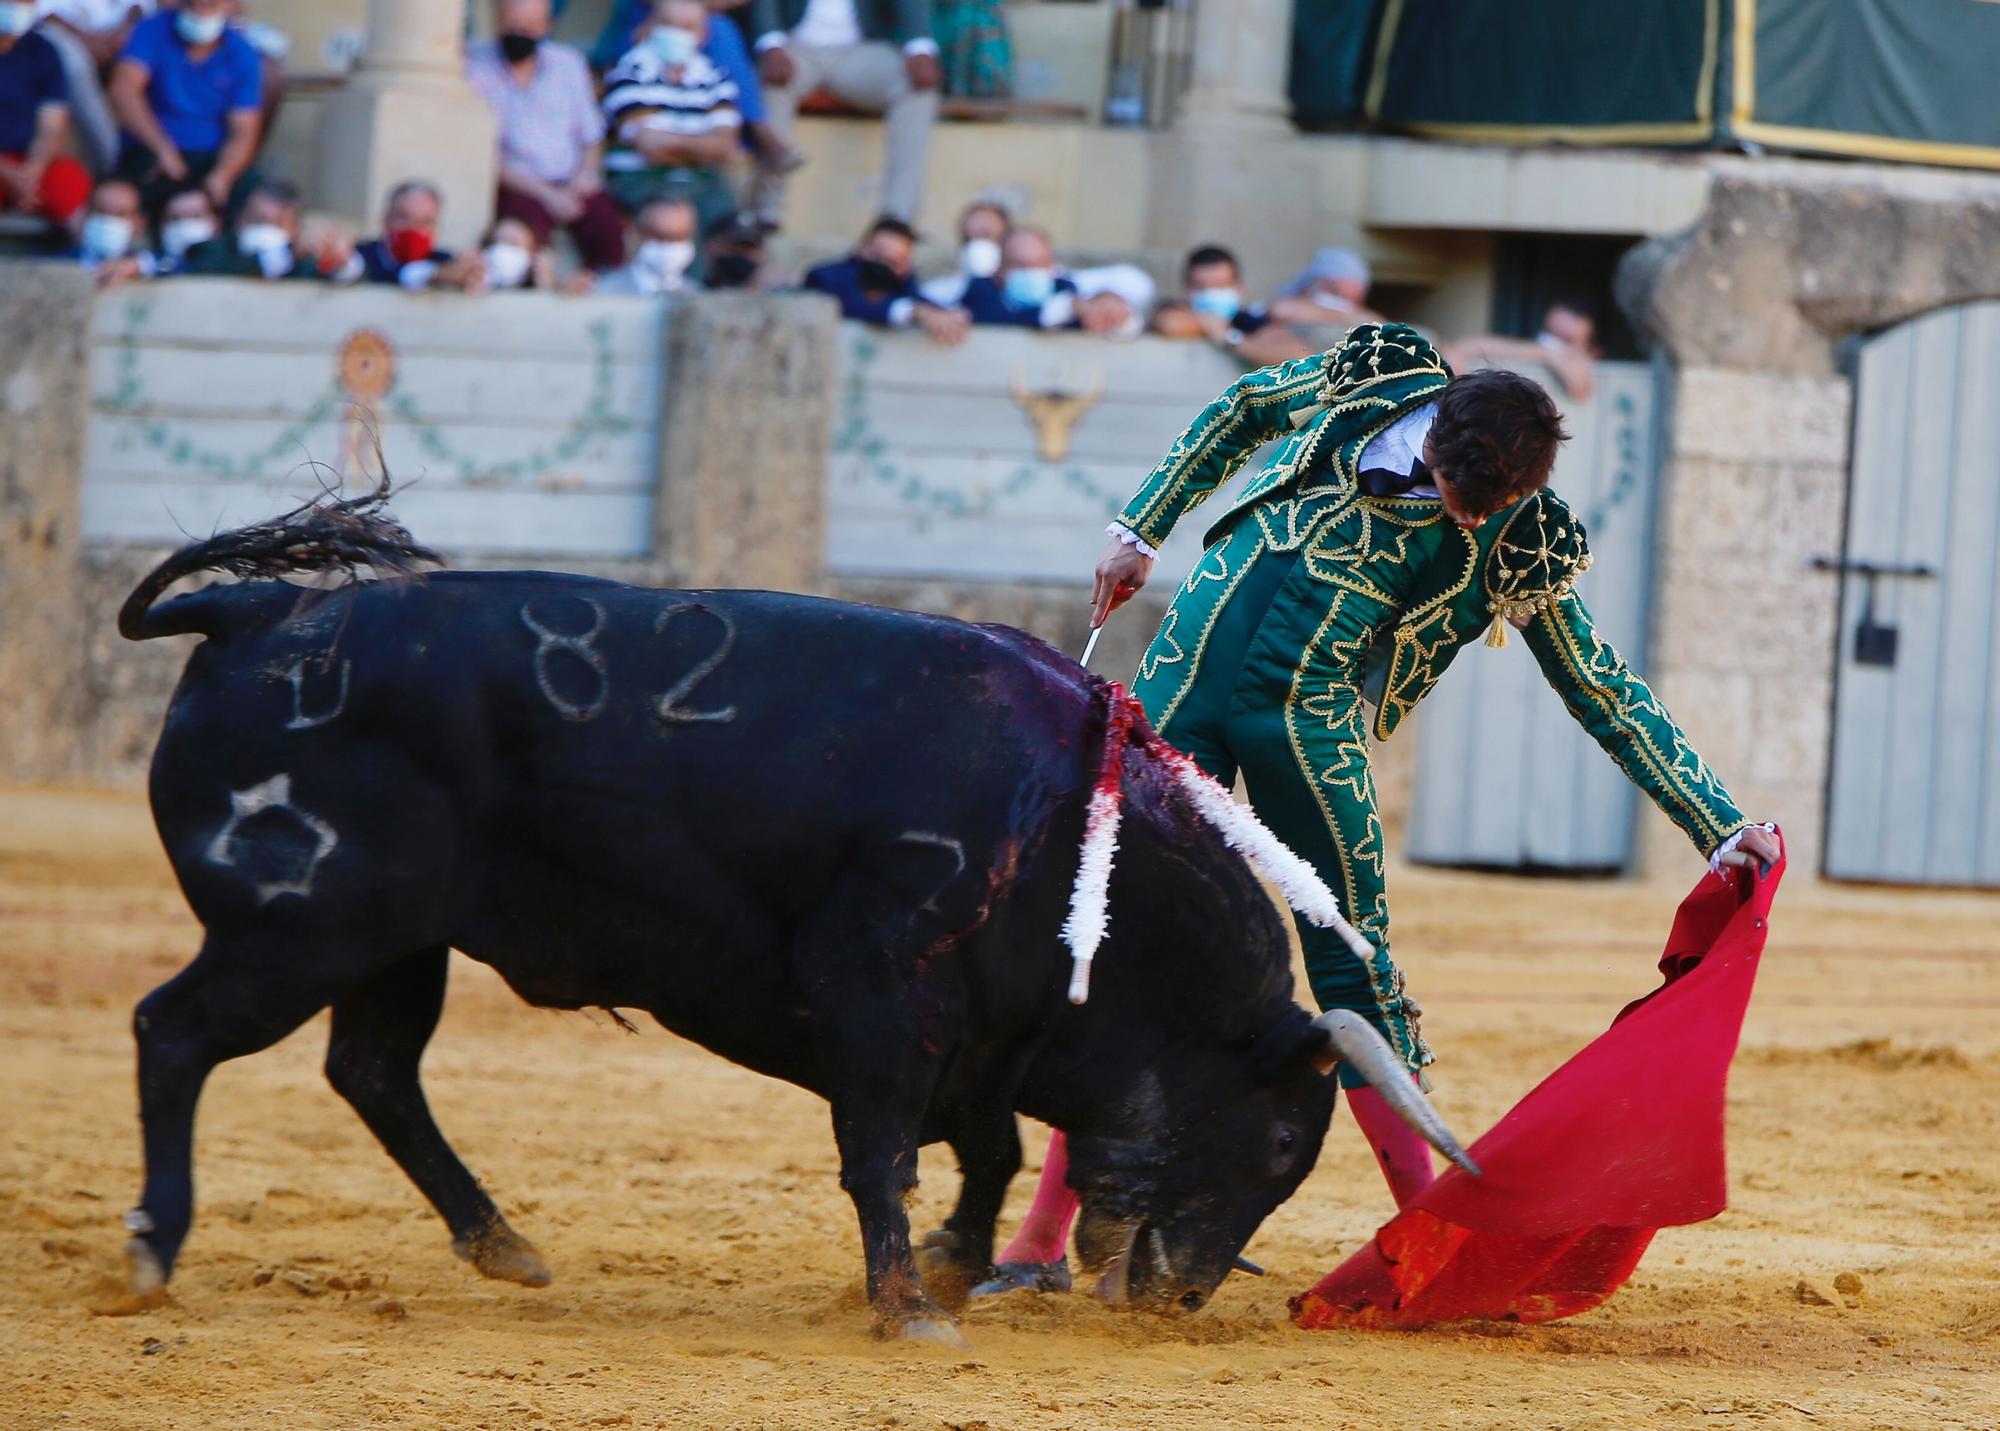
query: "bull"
830, 843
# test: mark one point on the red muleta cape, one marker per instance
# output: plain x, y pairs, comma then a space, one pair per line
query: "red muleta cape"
1624, 1139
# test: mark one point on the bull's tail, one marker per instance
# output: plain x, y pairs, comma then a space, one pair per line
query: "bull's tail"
1089, 906
326, 534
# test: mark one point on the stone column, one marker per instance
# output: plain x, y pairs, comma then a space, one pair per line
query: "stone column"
44, 404
407, 113
746, 433
1242, 66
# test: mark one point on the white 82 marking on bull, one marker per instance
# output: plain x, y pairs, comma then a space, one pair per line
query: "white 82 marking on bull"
670, 710
578, 644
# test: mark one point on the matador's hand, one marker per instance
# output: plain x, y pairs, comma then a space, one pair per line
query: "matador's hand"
1758, 844
1121, 571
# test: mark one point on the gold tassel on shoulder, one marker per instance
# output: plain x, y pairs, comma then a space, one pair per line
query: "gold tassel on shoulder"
1496, 634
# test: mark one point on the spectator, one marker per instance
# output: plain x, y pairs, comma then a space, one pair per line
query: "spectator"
875, 55
551, 133
1028, 291
515, 258
1217, 308
974, 48
1333, 288
188, 221
673, 117
268, 243
1566, 345
89, 35
407, 253
188, 91
982, 228
725, 45
877, 284
732, 253
36, 177
666, 255
110, 246
1112, 301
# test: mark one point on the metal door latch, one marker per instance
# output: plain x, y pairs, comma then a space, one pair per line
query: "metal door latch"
1874, 641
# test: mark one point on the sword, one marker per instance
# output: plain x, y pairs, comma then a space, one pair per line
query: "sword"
1091, 644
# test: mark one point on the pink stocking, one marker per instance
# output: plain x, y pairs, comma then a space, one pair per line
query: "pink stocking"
1404, 1155
1044, 1234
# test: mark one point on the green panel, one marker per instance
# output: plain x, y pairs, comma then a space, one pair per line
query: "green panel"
1920, 70
1331, 43
1542, 64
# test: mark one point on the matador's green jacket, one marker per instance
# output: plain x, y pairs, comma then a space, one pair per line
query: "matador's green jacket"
1313, 598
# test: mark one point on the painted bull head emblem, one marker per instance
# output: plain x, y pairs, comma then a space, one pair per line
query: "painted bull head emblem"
1055, 413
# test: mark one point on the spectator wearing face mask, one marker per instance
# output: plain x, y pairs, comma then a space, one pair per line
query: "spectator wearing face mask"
1566, 345
732, 253
665, 259
407, 253
188, 221
1029, 291
269, 242
877, 284
189, 93
551, 132
514, 259
36, 177
1331, 290
672, 115
1217, 308
111, 247
982, 228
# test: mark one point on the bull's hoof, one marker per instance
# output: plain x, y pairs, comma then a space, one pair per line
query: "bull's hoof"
1026, 1277
148, 1282
947, 1276
504, 1255
930, 1331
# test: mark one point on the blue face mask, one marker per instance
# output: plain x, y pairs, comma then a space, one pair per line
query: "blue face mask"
1224, 303
16, 19
1030, 287
674, 47
200, 29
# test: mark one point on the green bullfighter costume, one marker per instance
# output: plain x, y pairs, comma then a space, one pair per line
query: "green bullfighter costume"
1311, 594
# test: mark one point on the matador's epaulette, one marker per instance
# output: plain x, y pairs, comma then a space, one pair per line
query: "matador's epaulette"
1535, 561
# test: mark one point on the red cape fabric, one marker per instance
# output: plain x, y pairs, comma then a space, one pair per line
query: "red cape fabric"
1624, 1139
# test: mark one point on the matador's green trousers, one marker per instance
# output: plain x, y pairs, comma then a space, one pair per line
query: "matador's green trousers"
1257, 669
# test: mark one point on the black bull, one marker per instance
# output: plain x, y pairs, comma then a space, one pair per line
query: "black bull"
831, 843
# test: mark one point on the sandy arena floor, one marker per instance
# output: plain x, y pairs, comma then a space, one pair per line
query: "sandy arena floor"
707, 1265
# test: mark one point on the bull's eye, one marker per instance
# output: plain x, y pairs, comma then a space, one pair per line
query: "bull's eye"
1284, 1145
1287, 1140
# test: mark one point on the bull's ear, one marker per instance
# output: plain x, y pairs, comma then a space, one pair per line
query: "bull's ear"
1290, 1041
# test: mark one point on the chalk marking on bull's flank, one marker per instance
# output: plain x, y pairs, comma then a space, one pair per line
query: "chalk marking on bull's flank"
549, 641
942, 842
669, 708
300, 720
272, 794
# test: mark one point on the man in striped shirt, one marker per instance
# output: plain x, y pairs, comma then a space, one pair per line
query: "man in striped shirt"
673, 116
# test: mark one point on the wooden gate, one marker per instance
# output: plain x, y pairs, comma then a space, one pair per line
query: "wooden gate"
1914, 796
1504, 776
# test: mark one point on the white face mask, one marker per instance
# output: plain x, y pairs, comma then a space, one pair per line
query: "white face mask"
1326, 298
675, 47
979, 258
16, 19
664, 260
507, 265
261, 239
177, 236
200, 29
107, 236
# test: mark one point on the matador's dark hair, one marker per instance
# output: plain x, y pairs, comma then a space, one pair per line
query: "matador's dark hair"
1495, 438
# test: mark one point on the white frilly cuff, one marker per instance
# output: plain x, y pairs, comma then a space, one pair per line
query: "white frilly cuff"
1729, 845
1132, 539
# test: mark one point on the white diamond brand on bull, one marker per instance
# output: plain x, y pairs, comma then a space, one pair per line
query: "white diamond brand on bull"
615, 802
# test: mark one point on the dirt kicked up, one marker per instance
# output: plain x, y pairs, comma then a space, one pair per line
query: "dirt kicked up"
707, 1265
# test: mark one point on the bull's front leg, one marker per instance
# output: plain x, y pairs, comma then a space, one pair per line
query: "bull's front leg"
960, 1254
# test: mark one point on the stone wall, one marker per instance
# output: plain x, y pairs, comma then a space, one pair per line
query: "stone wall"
44, 397
1749, 311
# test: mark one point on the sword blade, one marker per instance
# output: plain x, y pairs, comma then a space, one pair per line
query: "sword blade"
1091, 644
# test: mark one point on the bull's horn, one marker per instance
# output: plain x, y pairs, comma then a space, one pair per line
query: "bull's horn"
1354, 1039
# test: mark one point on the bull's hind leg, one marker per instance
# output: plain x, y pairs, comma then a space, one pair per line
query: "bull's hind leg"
380, 1029
234, 999
960, 1254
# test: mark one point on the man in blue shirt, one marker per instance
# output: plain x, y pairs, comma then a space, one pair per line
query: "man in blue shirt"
35, 175
188, 92
1029, 291
877, 284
